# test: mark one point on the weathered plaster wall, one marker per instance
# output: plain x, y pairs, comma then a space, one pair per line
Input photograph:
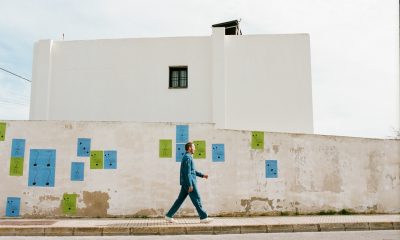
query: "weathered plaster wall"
315, 173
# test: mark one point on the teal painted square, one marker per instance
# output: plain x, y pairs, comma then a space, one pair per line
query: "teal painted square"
77, 171
18, 148
271, 168
110, 159
180, 151
218, 152
83, 147
182, 133
13, 206
42, 167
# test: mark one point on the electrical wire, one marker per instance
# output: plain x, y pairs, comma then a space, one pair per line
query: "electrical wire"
5, 70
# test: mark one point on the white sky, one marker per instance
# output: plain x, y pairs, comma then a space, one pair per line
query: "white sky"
354, 46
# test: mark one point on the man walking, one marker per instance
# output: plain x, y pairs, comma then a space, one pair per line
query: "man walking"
188, 183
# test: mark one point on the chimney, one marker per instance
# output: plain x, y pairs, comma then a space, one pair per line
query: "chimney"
231, 27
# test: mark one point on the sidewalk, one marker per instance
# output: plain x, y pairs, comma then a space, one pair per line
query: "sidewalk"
156, 226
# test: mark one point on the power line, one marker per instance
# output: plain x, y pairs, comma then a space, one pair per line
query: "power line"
5, 70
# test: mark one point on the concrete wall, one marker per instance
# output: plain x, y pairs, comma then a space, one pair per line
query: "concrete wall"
315, 173
230, 78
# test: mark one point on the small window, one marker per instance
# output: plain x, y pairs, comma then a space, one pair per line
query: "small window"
178, 77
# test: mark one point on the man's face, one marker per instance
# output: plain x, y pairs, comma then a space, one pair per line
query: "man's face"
192, 149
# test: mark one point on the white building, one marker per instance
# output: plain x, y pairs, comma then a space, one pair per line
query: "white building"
247, 82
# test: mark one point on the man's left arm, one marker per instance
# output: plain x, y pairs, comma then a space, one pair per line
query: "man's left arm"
199, 174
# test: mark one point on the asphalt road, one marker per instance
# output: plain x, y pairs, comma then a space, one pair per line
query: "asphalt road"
359, 235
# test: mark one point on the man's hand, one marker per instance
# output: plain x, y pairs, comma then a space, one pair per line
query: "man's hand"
190, 189
205, 176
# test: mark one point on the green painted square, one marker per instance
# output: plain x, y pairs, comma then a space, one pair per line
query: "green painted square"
69, 203
17, 166
96, 159
2, 131
200, 149
165, 150
257, 140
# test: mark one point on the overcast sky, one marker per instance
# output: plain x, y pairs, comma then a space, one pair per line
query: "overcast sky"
354, 46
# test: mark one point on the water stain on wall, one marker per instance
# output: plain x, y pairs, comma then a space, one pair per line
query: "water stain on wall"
248, 203
275, 148
40, 213
48, 198
96, 204
392, 180
373, 208
148, 212
186, 211
333, 182
374, 170
297, 150
299, 162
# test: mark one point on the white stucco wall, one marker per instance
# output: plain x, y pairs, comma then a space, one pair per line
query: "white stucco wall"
41, 75
237, 82
128, 80
315, 173
269, 83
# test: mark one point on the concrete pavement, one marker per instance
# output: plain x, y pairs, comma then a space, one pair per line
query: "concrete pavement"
223, 225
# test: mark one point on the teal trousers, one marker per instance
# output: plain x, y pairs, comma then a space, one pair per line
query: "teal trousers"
194, 196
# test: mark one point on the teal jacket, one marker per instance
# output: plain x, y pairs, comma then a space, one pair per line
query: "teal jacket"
188, 171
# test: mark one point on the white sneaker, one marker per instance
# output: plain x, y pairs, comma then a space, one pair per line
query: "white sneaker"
170, 220
206, 220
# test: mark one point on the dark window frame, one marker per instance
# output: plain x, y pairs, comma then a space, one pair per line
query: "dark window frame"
181, 81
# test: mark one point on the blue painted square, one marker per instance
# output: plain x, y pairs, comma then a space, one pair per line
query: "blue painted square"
180, 151
83, 147
18, 148
110, 159
13, 206
77, 171
182, 133
271, 168
42, 163
218, 152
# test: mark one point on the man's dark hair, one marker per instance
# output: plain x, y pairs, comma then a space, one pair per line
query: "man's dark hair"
187, 145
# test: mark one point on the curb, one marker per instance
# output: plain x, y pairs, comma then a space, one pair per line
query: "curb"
208, 230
